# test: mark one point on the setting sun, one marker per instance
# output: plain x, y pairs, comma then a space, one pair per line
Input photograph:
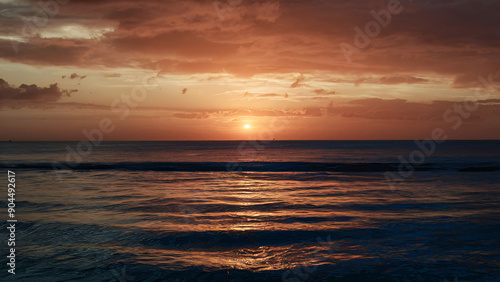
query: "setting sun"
247, 126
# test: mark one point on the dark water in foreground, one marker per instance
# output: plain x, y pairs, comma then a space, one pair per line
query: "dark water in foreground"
290, 211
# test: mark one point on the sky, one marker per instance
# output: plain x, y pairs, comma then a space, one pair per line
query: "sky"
241, 69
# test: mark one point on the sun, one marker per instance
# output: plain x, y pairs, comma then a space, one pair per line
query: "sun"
247, 126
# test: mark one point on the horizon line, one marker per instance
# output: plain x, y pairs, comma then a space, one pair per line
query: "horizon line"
239, 140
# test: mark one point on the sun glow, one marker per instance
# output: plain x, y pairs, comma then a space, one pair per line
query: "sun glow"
247, 126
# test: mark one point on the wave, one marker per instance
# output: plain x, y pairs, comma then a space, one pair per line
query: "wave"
255, 166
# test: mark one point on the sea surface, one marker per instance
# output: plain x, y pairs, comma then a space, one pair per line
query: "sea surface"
253, 211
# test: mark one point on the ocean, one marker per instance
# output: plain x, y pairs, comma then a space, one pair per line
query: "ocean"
253, 211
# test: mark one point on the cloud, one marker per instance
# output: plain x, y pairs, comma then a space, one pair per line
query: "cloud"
388, 80
267, 36
401, 79
264, 95
27, 95
192, 115
74, 76
37, 51
367, 108
184, 44
301, 78
489, 101
400, 109
112, 75
324, 92
270, 95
